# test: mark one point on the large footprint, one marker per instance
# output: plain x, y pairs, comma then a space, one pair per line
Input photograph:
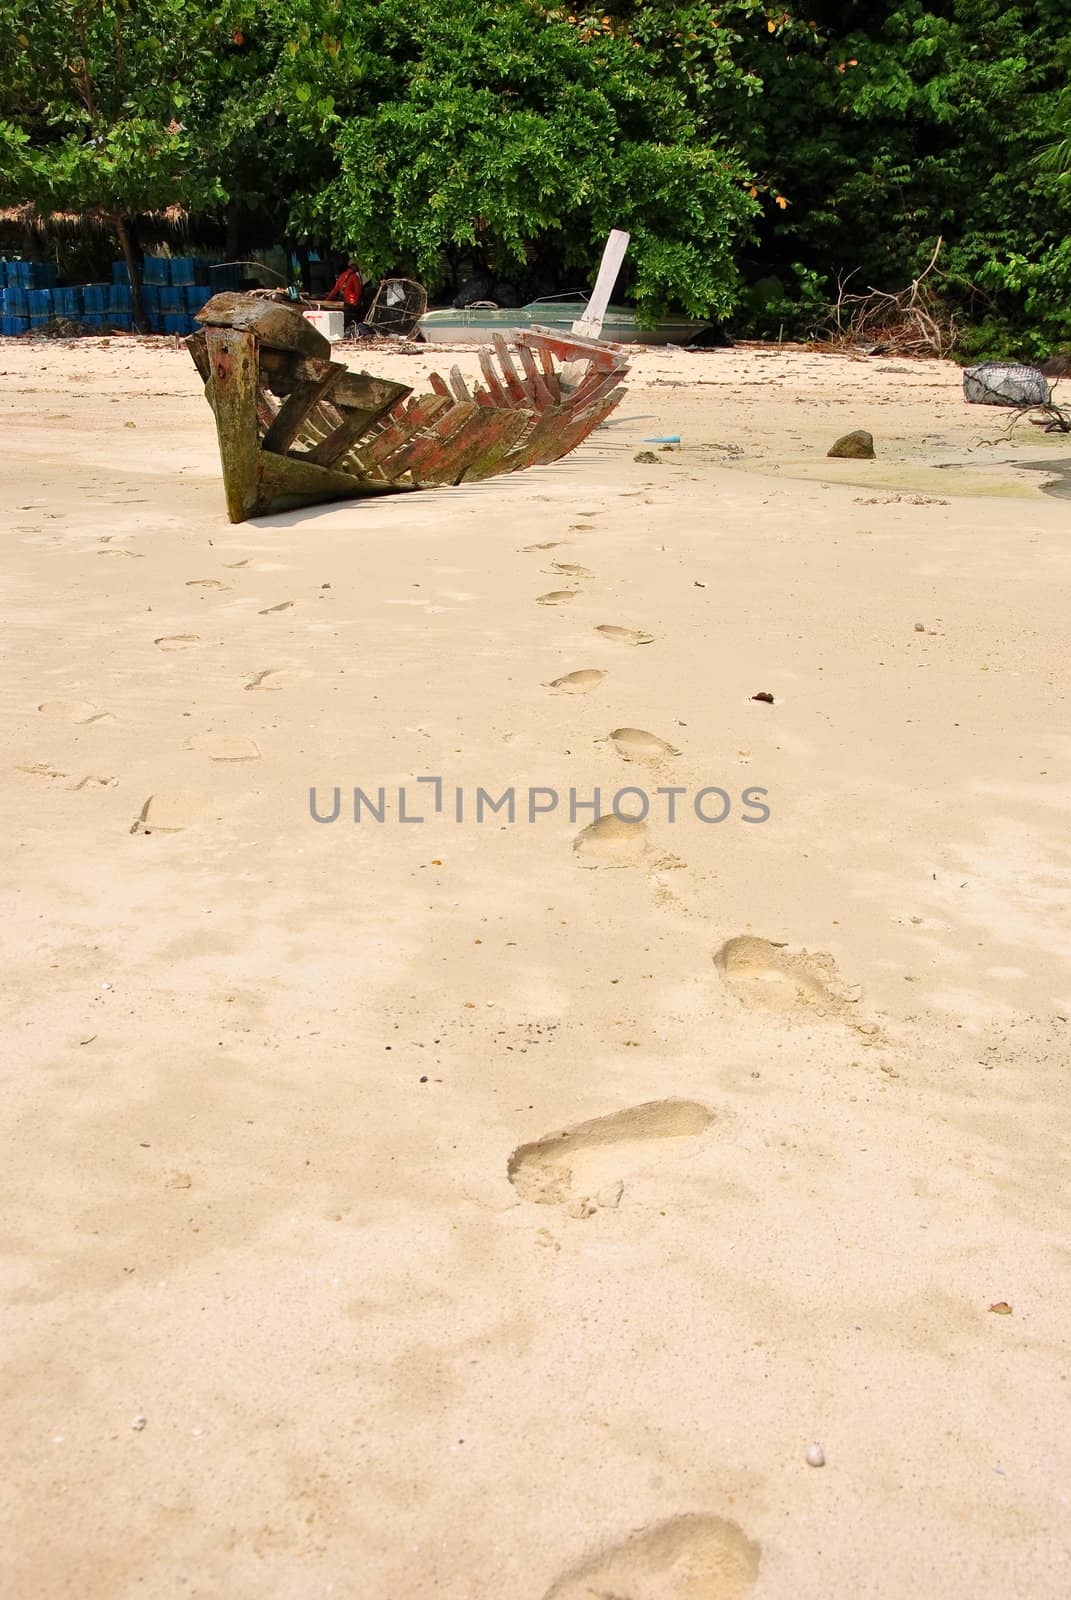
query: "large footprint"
611, 841
581, 682
79, 711
586, 1164
170, 813
796, 984
619, 635
690, 1557
636, 744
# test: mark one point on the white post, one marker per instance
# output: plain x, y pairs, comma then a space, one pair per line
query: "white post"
590, 324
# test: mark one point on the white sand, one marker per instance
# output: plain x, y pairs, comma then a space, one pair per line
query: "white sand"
268, 1082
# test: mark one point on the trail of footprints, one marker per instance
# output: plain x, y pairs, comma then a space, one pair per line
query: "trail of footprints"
763, 976
584, 1169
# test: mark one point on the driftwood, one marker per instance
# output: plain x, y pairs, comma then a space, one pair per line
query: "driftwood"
910, 322
296, 427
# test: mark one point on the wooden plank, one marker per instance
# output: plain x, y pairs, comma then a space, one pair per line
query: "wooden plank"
467, 445
275, 323
535, 385
510, 429
197, 345
590, 324
492, 380
232, 393
399, 432
284, 483
518, 395
580, 427
354, 421
296, 407
550, 374
427, 450
568, 347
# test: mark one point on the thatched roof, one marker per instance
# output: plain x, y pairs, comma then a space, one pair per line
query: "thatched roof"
172, 222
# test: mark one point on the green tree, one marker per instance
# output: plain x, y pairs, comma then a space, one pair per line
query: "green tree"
108, 106
894, 123
492, 126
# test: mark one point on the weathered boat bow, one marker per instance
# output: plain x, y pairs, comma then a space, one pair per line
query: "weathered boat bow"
296, 428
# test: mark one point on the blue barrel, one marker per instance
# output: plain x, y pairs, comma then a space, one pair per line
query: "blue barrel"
221, 278
67, 302
42, 274
120, 319
175, 322
40, 303
173, 300
156, 269
15, 303
183, 270
197, 295
120, 298
95, 298
3, 273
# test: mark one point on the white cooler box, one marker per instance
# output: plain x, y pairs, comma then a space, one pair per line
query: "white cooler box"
332, 324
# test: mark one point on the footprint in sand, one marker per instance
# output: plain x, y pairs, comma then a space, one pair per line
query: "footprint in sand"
40, 769
797, 985
610, 630
548, 544
691, 1557
277, 678
284, 605
581, 682
92, 781
177, 641
571, 569
585, 1166
611, 841
205, 583
170, 813
635, 744
222, 747
74, 711
556, 597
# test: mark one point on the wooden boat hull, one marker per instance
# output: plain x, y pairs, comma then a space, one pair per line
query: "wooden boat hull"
296, 428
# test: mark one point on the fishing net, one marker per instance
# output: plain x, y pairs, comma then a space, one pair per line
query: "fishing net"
997, 383
397, 307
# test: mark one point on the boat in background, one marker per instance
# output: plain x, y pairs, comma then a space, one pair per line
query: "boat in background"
479, 324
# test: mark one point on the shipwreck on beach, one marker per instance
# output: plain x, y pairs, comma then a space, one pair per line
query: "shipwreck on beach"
296, 428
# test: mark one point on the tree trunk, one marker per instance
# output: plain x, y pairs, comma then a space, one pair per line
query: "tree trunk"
126, 244
232, 247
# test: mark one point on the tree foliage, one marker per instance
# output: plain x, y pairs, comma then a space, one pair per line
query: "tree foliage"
755, 153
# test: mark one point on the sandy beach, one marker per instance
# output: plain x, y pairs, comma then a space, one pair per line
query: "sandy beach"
482, 1208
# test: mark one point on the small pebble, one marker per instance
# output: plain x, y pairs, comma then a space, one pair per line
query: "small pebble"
920, 627
816, 1456
139, 1423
